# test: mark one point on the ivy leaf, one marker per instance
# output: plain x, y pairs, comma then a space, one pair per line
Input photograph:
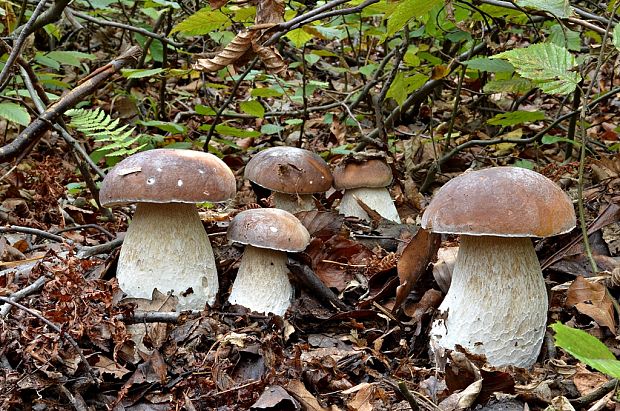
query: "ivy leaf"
202, 22
15, 113
587, 349
407, 10
559, 8
547, 64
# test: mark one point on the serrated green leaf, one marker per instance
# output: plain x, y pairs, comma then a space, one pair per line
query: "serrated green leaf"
166, 126
547, 64
407, 10
559, 8
69, 58
202, 22
616, 36
14, 113
141, 73
516, 117
587, 349
490, 65
403, 85
253, 108
299, 37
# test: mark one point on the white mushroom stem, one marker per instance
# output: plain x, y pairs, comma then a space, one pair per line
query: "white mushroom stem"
293, 203
496, 304
166, 247
262, 283
377, 199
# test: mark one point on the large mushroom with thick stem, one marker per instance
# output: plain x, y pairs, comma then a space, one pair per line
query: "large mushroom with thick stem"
292, 174
365, 181
497, 301
166, 246
262, 283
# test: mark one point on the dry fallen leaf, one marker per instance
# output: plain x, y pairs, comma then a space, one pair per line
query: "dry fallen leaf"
592, 299
275, 397
231, 53
416, 256
298, 390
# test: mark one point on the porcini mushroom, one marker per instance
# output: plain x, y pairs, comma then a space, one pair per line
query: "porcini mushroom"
497, 301
166, 246
292, 174
365, 181
262, 283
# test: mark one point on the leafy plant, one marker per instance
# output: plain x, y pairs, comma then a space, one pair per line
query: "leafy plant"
98, 125
587, 349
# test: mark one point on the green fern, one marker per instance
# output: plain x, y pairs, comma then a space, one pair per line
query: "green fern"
98, 125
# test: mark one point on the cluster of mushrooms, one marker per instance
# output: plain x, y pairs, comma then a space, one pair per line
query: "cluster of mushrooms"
495, 210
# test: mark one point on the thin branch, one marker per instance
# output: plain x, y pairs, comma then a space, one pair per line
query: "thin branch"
34, 231
19, 43
24, 292
86, 252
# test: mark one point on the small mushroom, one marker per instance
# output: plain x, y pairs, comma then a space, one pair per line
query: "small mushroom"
365, 181
166, 246
497, 301
293, 174
262, 283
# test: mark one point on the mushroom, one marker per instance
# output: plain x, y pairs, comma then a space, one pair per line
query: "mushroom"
365, 181
166, 246
262, 283
497, 301
293, 174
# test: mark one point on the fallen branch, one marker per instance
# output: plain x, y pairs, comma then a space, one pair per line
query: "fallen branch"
32, 133
302, 274
139, 317
86, 252
595, 395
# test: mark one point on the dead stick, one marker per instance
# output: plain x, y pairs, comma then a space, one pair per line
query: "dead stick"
24, 292
42, 123
595, 395
305, 276
59, 330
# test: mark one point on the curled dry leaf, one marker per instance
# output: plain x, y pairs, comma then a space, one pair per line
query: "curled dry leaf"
231, 53
413, 262
273, 61
592, 299
269, 12
275, 397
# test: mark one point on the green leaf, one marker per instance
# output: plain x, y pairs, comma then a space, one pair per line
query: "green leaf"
69, 58
559, 8
253, 108
564, 37
141, 73
15, 113
587, 349
265, 92
404, 85
514, 85
549, 139
616, 35
547, 64
232, 131
166, 126
204, 110
299, 37
407, 10
271, 129
490, 65
202, 22
516, 117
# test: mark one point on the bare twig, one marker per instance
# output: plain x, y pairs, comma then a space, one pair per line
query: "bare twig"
304, 275
34, 231
56, 328
595, 395
139, 317
24, 292
86, 252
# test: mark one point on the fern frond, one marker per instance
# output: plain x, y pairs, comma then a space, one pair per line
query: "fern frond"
99, 126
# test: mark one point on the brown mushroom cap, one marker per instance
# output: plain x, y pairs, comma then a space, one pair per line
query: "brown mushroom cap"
371, 173
500, 201
289, 170
269, 228
168, 176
